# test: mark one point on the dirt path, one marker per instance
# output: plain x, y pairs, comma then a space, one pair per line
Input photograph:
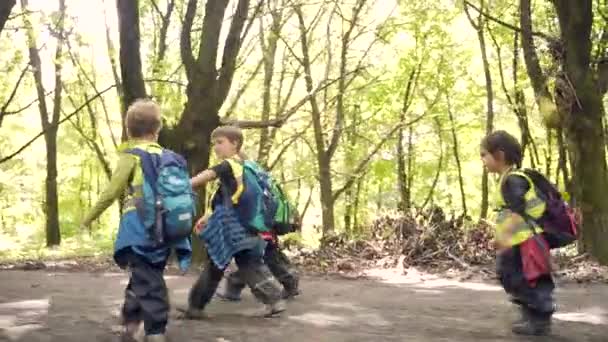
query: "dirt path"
41, 306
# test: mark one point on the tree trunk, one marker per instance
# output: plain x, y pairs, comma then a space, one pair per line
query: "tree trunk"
269, 49
410, 166
6, 6
563, 160
457, 159
535, 72
581, 106
207, 87
133, 86
439, 167
356, 206
479, 27
49, 123
402, 174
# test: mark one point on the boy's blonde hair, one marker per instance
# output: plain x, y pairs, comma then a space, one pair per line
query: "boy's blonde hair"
232, 133
143, 118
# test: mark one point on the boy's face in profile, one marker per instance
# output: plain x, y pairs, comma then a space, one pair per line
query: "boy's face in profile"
224, 148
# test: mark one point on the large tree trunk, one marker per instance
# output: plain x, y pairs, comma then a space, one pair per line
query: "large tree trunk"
49, 123
581, 105
133, 86
5, 11
207, 87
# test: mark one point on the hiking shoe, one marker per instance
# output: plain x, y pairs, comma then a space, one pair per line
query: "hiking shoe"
192, 314
132, 332
156, 338
290, 294
275, 309
532, 327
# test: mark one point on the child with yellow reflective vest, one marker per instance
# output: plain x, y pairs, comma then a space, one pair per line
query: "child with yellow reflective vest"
226, 237
523, 257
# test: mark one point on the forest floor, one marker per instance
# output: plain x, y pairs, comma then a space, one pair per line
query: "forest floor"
379, 305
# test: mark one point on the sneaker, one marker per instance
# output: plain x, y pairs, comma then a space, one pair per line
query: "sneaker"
131, 332
271, 310
532, 327
290, 294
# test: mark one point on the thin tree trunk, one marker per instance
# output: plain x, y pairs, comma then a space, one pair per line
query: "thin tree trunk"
356, 227
410, 167
457, 159
479, 27
49, 122
431, 193
133, 86
269, 49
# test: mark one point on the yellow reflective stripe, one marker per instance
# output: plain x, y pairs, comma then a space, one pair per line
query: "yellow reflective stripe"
521, 232
237, 171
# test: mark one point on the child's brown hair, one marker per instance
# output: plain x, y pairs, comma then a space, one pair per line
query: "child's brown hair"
143, 118
232, 133
505, 142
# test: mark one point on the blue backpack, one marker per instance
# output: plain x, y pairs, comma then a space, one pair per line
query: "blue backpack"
263, 206
167, 207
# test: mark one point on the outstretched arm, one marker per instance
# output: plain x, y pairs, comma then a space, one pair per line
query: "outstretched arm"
203, 178
118, 184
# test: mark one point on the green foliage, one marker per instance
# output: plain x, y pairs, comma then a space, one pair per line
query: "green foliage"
432, 42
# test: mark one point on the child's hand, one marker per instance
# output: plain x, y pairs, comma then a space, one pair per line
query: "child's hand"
201, 224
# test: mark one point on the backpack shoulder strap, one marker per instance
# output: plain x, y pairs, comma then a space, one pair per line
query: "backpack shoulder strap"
149, 165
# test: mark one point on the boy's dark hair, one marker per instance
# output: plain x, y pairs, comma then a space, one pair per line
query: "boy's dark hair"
143, 118
505, 142
232, 133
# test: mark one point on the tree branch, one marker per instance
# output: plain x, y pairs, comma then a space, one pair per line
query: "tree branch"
537, 77
337, 132
505, 24
280, 119
232, 47
54, 125
11, 97
285, 147
209, 44
363, 164
6, 7
185, 42
243, 89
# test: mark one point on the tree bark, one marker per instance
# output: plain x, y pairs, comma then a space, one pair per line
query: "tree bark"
479, 27
431, 193
455, 147
6, 7
269, 49
582, 107
207, 86
538, 78
133, 86
50, 121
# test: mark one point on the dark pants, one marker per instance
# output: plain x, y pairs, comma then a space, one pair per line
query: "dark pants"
146, 295
279, 266
536, 300
254, 272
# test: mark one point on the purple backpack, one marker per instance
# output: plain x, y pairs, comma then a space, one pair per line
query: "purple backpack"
559, 221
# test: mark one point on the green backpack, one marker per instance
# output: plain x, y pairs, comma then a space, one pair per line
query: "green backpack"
263, 205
